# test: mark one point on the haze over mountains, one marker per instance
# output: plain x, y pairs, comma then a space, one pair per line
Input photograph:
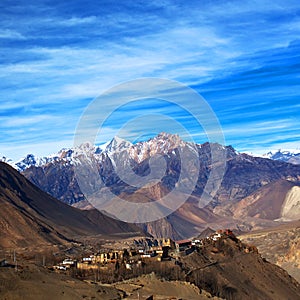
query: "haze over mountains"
254, 193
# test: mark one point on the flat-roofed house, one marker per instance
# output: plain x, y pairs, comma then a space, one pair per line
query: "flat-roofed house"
183, 245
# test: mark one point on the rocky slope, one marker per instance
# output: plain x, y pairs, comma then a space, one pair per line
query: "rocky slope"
274, 201
31, 217
230, 269
279, 245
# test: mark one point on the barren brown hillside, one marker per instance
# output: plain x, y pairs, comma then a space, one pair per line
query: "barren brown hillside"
30, 216
231, 269
279, 245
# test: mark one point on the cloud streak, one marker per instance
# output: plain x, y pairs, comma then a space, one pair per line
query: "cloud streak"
57, 57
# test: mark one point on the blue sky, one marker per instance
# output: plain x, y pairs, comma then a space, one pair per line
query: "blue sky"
56, 56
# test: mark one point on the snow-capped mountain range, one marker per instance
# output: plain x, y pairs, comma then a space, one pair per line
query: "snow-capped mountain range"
290, 156
162, 144
65, 155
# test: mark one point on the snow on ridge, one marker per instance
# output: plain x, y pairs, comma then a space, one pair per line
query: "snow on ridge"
117, 144
68, 155
163, 143
160, 143
285, 155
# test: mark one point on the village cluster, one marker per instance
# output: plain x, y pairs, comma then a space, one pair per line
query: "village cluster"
143, 250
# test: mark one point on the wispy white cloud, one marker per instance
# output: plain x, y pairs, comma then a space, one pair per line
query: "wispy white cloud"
55, 65
78, 21
25, 121
11, 34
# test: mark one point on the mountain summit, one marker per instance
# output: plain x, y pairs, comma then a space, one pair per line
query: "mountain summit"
116, 145
290, 156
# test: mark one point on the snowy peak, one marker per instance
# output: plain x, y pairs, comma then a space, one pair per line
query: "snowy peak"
167, 140
290, 156
86, 148
29, 160
32, 160
167, 137
65, 155
117, 145
162, 144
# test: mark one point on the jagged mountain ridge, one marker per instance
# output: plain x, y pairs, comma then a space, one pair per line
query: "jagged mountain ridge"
65, 156
53, 173
244, 175
138, 151
290, 156
161, 144
166, 144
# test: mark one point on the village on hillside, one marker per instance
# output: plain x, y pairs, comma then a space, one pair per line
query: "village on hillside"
142, 251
